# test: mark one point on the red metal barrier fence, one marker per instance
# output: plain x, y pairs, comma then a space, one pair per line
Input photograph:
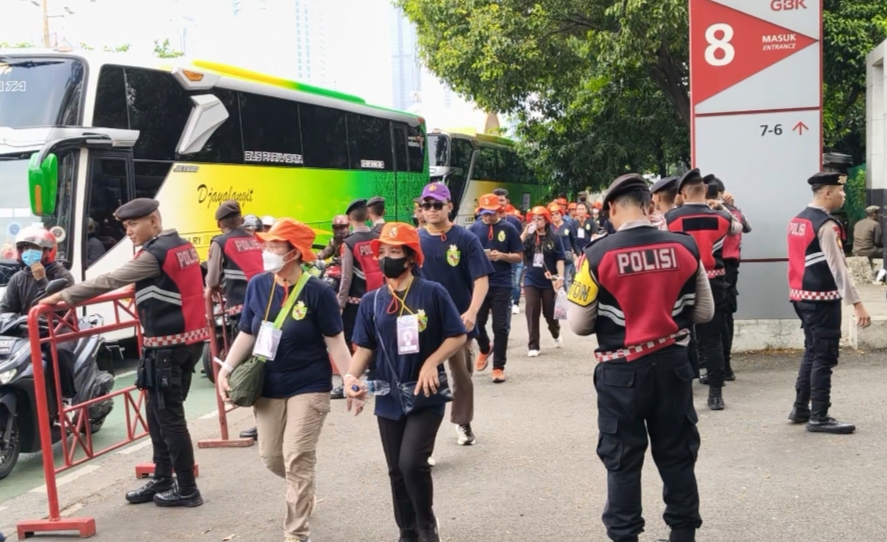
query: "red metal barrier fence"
63, 326
220, 316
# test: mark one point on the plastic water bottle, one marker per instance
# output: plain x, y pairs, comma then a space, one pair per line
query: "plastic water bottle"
374, 387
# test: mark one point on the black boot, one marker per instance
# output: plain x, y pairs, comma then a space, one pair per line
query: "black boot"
703, 376
146, 492
729, 375
250, 433
801, 409
429, 534
715, 399
408, 536
338, 392
829, 425
177, 497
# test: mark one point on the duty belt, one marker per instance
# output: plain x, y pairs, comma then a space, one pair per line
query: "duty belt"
633, 352
354, 300
806, 295
236, 309
716, 273
188, 337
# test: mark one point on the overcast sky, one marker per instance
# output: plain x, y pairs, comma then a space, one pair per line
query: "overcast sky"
358, 46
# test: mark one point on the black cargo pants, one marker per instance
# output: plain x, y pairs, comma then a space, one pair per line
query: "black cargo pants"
167, 425
653, 396
732, 269
709, 337
821, 321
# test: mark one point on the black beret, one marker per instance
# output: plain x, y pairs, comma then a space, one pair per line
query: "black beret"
692, 176
376, 199
626, 183
665, 183
355, 205
137, 208
500, 192
828, 178
227, 208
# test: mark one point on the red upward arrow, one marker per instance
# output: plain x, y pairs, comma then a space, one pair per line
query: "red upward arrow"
800, 127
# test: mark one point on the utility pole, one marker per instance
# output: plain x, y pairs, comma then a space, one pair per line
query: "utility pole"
46, 24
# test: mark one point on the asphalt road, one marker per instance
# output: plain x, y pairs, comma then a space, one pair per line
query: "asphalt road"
533, 474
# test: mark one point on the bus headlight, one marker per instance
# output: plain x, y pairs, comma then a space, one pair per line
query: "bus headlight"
6, 376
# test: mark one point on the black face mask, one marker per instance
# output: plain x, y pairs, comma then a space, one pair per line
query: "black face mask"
393, 267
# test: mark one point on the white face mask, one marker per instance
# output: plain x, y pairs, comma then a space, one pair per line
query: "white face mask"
272, 262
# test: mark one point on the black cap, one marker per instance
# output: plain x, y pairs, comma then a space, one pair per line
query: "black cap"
828, 178
375, 200
355, 205
691, 177
623, 184
227, 208
500, 192
665, 183
712, 179
137, 208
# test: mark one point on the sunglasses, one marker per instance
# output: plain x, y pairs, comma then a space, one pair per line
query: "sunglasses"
437, 205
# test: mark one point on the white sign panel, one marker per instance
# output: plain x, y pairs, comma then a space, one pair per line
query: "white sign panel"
755, 78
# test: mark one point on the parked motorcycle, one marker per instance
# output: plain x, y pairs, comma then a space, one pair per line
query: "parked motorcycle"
19, 427
330, 273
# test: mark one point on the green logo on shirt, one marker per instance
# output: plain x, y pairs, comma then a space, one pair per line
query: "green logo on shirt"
453, 256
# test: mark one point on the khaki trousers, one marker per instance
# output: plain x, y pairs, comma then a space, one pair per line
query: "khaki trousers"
461, 369
288, 433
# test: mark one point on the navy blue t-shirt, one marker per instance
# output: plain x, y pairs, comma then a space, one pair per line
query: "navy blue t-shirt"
454, 259
584, 232
535, 276
567, 231
438, 321
302, 364
504, 238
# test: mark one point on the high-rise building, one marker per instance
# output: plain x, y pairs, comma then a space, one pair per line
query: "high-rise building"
406, 68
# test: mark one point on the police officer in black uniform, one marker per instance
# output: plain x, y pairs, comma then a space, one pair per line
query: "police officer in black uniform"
169, 298
818, 280
644, 379
709, 223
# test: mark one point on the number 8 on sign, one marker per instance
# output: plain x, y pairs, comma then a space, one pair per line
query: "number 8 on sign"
719, 44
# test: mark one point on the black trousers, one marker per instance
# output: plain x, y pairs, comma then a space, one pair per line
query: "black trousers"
710, 338
732, 269
408, 443
540, 302
173, 450
822, 335
650, 396
498, 301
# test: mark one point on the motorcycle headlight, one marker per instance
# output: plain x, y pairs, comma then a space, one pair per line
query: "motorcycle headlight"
6, 376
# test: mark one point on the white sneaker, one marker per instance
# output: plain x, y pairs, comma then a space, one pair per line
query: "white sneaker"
559, 342
431, 461
465, 434
882, 274
515, 309
533, 353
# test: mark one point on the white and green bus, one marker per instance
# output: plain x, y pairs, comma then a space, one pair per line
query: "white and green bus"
473, 164
82, 133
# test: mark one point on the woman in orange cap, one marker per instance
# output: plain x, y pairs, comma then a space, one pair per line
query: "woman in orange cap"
544, 261
410, 326
292, 320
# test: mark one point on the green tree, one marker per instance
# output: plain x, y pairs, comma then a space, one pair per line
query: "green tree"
164, 50
19, 45
602, 85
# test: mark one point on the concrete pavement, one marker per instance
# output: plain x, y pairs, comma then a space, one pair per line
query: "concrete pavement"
533, 474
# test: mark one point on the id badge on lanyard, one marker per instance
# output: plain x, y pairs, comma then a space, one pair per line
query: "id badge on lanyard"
538, 259
581, 233
408, 334
267, 341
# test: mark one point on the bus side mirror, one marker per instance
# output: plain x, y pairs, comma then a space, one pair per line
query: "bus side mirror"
43, 183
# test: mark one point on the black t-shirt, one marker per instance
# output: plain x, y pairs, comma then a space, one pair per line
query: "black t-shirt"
302, 364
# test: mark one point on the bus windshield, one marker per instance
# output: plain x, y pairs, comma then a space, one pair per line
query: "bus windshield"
40, 91
15, 210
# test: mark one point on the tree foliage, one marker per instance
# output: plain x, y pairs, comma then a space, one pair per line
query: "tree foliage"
601, 86
164, 50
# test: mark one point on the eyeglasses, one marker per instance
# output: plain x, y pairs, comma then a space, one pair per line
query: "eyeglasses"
437, 205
